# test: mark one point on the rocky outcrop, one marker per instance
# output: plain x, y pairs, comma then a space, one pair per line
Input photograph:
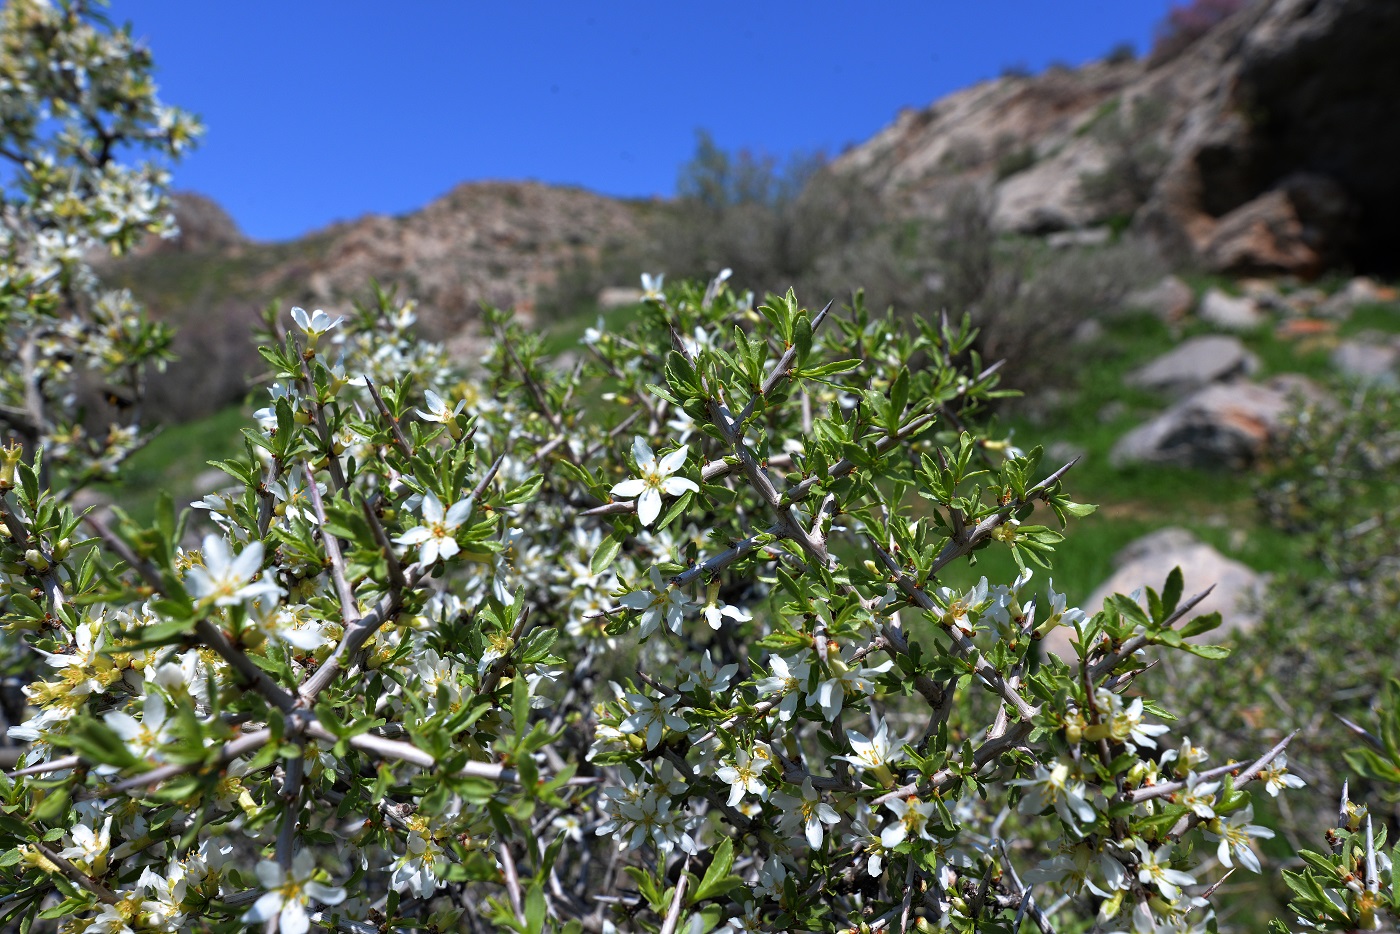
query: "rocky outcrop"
1148, 561
497, 243
1271, 139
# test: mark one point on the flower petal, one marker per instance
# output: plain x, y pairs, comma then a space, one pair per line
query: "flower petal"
674, 461
648, 507
629, 488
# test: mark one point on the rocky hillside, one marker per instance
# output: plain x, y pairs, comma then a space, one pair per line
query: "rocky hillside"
1267, 146
499, 243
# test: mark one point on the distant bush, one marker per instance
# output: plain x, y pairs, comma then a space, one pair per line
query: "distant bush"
1133, 156
1121, 54
1189, 22
1027, 299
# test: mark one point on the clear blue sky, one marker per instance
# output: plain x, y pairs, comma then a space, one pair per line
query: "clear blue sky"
321, 111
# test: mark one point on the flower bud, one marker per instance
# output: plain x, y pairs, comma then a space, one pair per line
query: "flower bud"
61, 549
36, 560
9, 460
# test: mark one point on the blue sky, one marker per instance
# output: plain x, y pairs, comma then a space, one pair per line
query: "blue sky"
321, 111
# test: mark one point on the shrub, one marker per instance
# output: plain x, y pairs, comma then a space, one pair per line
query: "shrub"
1133, 156
77, 95
1027, 300
665, 628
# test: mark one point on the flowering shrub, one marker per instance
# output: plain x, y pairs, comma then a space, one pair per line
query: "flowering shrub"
659, 639
666, 638
76, 96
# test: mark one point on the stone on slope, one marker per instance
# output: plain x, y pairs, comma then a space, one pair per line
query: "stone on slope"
1370, 358
1169, 300
1147, 562
1230, 312
1223, 425
1195, 363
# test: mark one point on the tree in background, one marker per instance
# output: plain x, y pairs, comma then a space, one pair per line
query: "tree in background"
77, 99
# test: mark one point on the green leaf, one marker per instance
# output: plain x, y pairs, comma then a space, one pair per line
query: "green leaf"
1171, 593
534, 908
717, 879
607, 551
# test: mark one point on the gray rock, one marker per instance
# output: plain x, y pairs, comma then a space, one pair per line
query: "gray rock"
1169, 300
1229, 312
1087, 332
1371, 358
1089, 236
1195, 363
1148, 561
1223, 425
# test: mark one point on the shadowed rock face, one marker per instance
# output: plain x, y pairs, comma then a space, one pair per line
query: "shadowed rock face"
1321, 79
1283, 123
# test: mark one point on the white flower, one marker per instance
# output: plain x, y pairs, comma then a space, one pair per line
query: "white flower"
314, 324
708, 677
1234, 836
808, 812
1126, 724
1200, 797
652, 715
957, 606
145, 736
651, 287
1153, 869
1186, 758
435, 536
594, 334
1052, 786
225, 580
744, 776
288, 894
789, 677
911, 820
90, 847
663, 601
569, 826
716, 609
440, 413
414, 869
846, 681
655, 479
1276, 777
874, 754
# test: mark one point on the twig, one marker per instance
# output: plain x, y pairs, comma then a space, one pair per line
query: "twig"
673, 914
399, 440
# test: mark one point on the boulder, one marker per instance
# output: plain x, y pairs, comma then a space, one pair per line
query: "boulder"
1169, 300
1223, 425
1361, 290
1230, 312
1195, 363
1263, 235
1148, 561
1370, 358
